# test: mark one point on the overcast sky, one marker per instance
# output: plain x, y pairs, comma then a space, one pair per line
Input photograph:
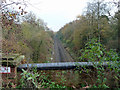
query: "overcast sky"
56, 13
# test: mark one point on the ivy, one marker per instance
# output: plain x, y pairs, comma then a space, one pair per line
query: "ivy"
96, 52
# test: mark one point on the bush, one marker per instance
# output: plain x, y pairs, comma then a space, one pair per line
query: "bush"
95, 51
37, 80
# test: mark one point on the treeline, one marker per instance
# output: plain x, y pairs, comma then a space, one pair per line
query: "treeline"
96, 22
26, 35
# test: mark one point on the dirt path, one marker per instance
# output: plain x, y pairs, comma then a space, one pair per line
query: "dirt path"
60, 54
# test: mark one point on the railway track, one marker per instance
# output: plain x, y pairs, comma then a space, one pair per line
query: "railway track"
60, 54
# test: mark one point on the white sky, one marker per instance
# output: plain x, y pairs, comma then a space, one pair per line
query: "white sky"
56, 13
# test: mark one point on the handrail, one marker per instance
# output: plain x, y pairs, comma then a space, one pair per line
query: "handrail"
64, 65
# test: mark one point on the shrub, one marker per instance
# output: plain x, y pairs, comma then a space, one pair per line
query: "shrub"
95, 51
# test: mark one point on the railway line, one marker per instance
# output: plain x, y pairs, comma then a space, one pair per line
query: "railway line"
60, 54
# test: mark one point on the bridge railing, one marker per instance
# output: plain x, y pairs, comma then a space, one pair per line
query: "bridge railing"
65, 65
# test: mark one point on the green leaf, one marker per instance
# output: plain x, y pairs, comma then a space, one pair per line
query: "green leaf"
105, 79
101, 52
29, 78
